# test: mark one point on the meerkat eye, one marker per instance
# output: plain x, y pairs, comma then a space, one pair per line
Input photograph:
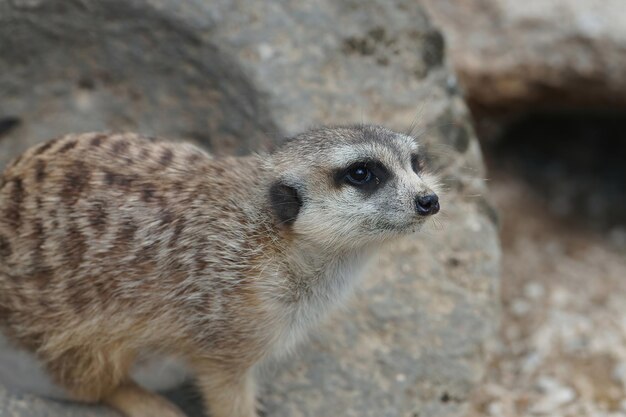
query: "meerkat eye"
359, 175
367, 175
417, 164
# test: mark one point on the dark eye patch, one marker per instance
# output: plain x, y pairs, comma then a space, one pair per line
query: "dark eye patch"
378, 175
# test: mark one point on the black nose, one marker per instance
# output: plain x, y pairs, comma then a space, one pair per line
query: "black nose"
426, 205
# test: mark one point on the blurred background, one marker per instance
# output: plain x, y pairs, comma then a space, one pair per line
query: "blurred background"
513, 303
545, 83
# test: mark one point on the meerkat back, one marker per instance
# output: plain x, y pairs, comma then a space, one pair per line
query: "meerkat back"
78, 222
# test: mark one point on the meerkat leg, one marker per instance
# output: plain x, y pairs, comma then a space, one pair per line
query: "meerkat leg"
102, 376
88, 375
134, 401
229, 393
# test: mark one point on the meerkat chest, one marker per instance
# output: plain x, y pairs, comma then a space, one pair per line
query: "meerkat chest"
328, 290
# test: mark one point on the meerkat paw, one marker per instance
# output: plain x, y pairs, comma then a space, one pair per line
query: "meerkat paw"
133, 401
229, 394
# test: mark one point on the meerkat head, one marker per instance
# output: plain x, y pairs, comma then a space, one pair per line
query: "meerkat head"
350, 186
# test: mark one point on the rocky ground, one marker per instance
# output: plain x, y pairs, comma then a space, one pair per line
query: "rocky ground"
559, 186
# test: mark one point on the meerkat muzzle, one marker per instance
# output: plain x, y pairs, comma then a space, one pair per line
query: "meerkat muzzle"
427, 205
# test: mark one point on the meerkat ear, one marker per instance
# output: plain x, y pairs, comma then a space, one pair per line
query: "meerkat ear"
285, 203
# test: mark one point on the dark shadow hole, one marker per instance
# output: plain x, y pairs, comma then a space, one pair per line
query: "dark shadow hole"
576, 162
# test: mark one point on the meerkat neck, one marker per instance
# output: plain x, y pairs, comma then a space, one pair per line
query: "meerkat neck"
315, 272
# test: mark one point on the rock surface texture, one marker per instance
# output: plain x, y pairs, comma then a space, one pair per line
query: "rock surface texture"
235, 76
514, 55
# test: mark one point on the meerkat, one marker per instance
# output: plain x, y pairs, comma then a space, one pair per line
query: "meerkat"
118, 248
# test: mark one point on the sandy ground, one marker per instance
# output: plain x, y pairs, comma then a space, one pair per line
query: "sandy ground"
562, 347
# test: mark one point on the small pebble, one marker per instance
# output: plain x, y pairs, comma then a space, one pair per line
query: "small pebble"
265, 51
619, 373
534, 290
520, 307
555, 396
531, 362
495, 409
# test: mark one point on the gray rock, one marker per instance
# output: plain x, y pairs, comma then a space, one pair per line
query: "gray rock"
237, 75
521, 54
122, 65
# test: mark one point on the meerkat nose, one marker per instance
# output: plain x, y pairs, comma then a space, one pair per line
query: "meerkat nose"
426, 205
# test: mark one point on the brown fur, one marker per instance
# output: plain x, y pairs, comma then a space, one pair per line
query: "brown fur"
115, 244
